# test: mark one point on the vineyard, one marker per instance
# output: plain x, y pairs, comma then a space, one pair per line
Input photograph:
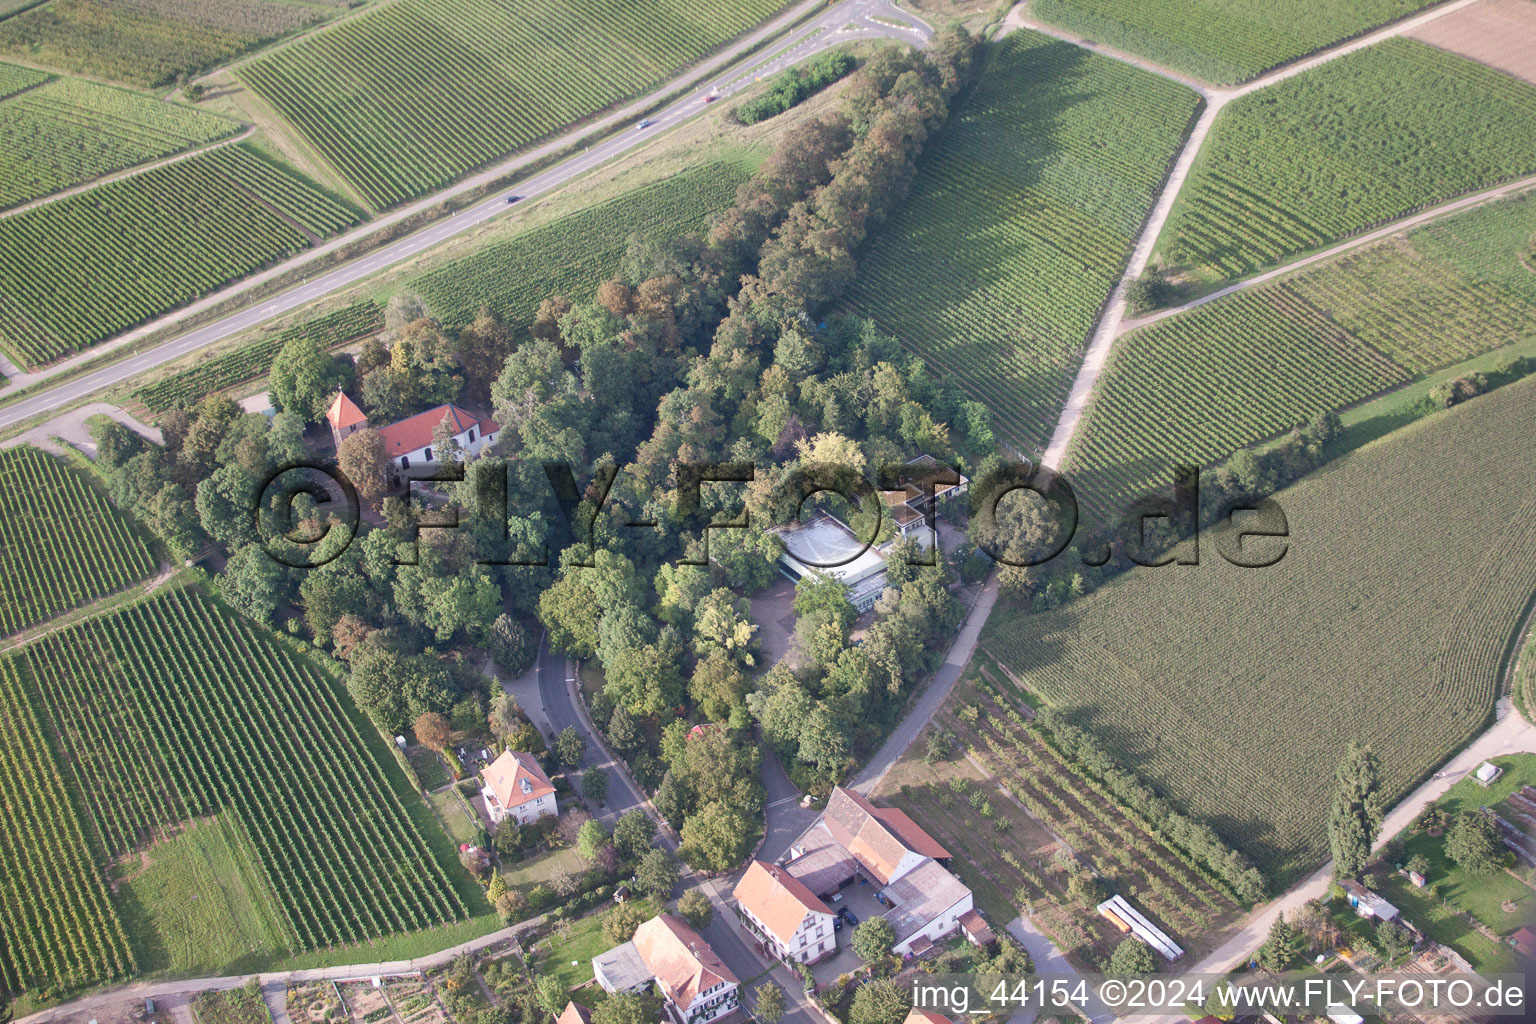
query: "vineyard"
573, 255
61, 543
413, 95
14, 78
1021, 221
995, 823
70, 131
1385, 621
1195, 387
73, 276
185, 389
175, 708
1224, 42
149, 43
1361, 141
71, 937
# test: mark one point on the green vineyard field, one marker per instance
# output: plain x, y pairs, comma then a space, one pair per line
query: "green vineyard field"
1223, 41
61, 543
58, 929
14, 78
1021, 221
1361, 141
149, 43
574, 254
1236, 690
413, 95
187, 388
1195, 387
72, 276
175, 708
70, 131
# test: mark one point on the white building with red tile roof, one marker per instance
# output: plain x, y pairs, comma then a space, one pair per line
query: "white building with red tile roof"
408, 443
853, 837
344, 417
790, 920
694, 983
515, 785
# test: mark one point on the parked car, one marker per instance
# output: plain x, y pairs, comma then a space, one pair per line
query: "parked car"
837, 924
848, 915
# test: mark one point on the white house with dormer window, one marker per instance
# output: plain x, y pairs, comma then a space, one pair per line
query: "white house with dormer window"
790, 920
695, 985
516, 786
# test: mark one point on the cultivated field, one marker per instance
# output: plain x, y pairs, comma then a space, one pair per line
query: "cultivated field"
1236, 690
61, 543
1021, 220
1358, 142
1195, 387
1222, 41
187, 388
150, 43
174, 709
410, 97
573, 255
1021, 820
60, 929
1494, 32
74, 276
14, 78
70, 131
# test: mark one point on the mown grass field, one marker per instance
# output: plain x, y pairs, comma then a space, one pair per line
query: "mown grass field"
1195, 387
573, 255
149, 43
413, 95
1355, 143
1223, 41
73, 276
71, 131
61, 543
1020, 222
193, 905
1408, 565
172, 711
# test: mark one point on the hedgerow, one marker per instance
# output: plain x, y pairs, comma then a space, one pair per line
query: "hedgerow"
185, 389
74, 276
413, 95
1361, 141
1021, 221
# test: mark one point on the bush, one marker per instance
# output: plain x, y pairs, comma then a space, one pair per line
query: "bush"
795, 86
695, 908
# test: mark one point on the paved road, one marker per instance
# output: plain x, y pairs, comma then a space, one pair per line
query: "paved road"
837, 24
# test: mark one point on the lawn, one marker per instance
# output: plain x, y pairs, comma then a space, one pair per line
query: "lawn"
1222, 41
541, 867
1386, 621
1358, 142
459, 826
567, 953
193, 906
1020, 222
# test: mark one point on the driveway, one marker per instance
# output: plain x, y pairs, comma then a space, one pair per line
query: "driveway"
1049, 961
